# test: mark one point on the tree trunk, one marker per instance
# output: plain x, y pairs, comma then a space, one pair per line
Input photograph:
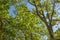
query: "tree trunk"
50, 30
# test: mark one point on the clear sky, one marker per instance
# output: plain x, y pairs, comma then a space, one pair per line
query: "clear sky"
12, 10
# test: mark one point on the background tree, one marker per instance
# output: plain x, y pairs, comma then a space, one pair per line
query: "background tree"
20, 27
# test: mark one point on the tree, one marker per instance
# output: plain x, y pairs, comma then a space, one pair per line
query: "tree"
49, 15
21, 27
26, 24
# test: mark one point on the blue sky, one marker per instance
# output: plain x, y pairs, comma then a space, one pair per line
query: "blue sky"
30, 7
12, 11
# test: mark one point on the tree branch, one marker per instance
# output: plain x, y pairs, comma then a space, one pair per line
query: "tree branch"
52, 11
41, 17
30, 3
